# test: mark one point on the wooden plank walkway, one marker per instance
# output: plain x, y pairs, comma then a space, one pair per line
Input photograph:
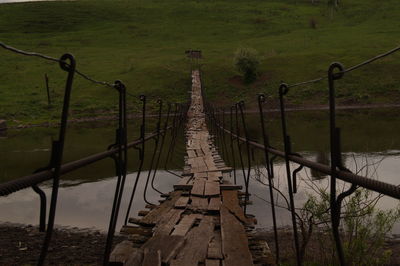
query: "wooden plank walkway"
201, 222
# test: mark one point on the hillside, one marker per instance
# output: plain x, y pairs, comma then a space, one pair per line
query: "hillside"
143, 44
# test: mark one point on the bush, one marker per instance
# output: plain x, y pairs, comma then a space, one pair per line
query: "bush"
246, 61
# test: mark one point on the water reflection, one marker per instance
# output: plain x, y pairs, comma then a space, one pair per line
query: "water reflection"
322, 158
83, 204
369, 137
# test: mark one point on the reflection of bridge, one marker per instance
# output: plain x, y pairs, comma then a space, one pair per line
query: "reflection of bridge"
205, 219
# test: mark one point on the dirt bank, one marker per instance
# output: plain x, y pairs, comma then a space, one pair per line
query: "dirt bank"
20, 245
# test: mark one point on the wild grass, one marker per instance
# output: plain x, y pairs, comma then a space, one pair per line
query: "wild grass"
142, 43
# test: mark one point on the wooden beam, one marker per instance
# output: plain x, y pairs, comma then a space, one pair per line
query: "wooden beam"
211, 189
195, 249
235, 246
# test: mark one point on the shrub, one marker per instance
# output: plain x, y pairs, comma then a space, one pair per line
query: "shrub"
246, 61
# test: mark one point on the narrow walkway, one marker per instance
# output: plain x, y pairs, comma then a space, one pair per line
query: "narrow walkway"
201, 222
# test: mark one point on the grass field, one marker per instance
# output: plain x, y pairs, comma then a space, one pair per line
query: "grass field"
143, 43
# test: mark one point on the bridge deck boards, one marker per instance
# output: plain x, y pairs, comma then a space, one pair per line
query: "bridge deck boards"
206, 225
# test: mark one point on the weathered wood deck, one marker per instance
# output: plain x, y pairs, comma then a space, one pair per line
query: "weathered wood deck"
201, 222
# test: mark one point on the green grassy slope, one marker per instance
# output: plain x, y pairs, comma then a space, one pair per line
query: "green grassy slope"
143, 43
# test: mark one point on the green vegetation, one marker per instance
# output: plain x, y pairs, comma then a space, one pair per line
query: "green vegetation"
246, 62
143, 44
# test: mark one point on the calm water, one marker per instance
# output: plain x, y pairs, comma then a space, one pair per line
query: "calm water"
369, 137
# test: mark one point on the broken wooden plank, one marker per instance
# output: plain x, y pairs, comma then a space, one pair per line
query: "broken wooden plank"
195, 249
198, 187
154, 215
182, 202
185, 224
235, 246
168, 222
211, 189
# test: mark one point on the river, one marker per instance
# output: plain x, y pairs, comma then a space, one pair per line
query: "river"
85, 198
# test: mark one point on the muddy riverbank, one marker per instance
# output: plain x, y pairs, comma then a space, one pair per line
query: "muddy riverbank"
20, 245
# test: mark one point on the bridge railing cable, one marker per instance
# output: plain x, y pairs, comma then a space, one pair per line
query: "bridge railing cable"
335, 170
117, 151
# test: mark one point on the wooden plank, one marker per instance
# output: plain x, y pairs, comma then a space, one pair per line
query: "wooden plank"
223, 169
196, 245
185, 224
229, 187
214, 205
211, 189
191, 153
214, 176
122, 252
167, 244
235, 246
230, 200
199, 203
200, 175
137, 230
226, 176
135, 258
168, 222
221, 187
143, 213
215, 246
182, 202
182, 184
151, 257
154, 215
198, 187
212, 262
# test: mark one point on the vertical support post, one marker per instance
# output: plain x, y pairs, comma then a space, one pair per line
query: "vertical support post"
42, 219
335, 205
261, 100
141, 155
246, 135
232, 149
238, 142
121, 167
283, 90
57, 151
161, 148
156, 141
